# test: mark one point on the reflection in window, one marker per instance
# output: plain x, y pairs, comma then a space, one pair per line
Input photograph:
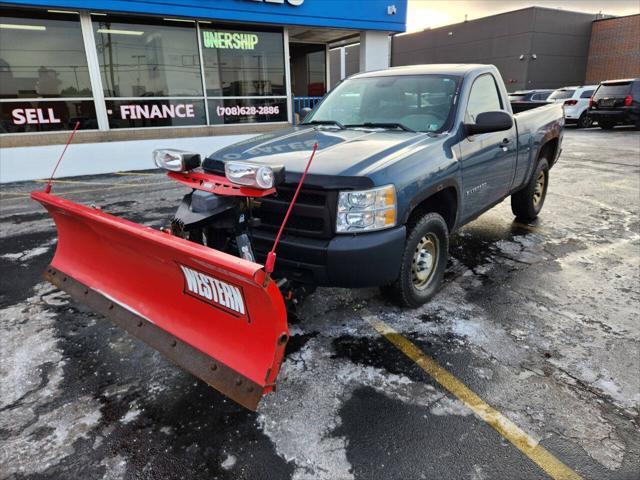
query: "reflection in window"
147, 59
483, 97
421, 102
243, 62
42, 55
316, 73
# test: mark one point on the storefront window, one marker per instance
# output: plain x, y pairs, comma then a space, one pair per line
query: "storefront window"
243, 62
147, 59
42, 57
149, 70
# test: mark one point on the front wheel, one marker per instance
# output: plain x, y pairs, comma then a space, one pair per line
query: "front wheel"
423, 262
527, 203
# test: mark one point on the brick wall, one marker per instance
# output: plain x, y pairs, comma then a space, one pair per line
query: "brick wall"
614, 50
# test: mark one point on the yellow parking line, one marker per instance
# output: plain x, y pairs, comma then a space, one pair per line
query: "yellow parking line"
136, 174
505, 427
80, 182
74, 182
89, 190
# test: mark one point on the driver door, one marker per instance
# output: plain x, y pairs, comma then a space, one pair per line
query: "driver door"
488, 160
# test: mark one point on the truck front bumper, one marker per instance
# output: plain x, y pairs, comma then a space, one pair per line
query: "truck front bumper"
350, 261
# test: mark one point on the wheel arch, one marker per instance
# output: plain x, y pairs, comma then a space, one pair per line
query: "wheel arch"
442, 199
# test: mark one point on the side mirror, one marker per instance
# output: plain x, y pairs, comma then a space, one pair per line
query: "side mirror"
487, 122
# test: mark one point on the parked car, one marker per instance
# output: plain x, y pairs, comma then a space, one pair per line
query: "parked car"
575, 101
522, 100
423, 151
530, 95
616, 102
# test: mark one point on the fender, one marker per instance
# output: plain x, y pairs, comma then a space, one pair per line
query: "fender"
429, 192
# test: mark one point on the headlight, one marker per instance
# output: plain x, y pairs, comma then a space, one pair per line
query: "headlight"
250, 175
366, 210
175, 160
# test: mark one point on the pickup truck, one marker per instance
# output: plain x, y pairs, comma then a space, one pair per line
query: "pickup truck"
406, 156
365, 192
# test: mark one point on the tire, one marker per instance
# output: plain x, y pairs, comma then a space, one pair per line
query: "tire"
606, 125
527, 203
427, 246
585, 121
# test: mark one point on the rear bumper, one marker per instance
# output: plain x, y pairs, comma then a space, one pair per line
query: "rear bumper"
619, 116
350, 261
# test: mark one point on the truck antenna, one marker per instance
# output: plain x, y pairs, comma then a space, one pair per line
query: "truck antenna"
271, 256
47, 188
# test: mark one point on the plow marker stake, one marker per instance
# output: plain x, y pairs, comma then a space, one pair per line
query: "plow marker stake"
211, 313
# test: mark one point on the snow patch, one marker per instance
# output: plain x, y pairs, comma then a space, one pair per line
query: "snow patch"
229, 462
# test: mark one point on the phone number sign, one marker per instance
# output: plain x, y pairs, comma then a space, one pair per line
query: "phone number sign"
247, 110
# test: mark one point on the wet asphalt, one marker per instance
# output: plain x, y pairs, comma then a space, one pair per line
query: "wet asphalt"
541, 321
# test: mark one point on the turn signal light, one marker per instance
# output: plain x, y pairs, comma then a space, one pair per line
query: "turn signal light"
570, 102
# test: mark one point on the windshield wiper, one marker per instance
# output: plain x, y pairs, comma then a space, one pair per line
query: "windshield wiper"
383, 125
325, 122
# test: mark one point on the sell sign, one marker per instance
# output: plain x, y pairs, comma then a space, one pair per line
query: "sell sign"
33, 116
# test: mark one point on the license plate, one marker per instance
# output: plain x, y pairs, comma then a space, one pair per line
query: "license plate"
607, 102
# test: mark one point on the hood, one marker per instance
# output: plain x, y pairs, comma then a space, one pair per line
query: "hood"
346, 152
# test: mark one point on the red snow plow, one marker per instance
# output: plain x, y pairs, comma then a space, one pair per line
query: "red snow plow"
218, 316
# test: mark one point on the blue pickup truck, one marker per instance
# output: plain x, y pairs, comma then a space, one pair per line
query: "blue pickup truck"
406, 156
397, 160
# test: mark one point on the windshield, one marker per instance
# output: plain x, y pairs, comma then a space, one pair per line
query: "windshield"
418, 102
608, 89
562, 94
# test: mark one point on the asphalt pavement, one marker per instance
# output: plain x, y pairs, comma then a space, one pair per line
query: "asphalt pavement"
529, 355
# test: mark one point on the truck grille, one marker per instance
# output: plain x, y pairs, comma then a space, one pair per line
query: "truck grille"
313, 214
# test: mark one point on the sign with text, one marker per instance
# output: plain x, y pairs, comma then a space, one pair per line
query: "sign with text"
46, 116
229, 40
155, 113
247, 110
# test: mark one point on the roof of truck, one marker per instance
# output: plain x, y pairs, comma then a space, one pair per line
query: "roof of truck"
433, 68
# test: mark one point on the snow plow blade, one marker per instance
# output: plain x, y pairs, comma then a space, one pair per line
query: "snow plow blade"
205, 310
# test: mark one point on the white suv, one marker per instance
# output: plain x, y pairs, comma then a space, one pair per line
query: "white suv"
576, 103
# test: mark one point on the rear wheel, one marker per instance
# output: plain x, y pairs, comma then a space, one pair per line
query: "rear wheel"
527, 203
423, 262
585, 120
606, 124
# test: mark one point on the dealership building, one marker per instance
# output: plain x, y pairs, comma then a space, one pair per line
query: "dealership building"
533, 47
142, 74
